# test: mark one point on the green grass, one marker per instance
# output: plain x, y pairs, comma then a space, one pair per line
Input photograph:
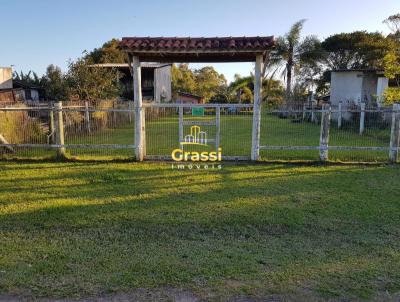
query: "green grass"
162, 138
252, 231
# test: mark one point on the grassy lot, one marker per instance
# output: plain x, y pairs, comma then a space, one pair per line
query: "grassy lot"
162, 138
246, 231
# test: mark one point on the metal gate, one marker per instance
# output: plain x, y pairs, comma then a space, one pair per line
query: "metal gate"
225, 127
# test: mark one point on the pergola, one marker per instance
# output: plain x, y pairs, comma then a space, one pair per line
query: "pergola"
189, 50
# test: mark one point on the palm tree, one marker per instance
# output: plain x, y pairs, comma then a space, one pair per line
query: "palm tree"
292, 53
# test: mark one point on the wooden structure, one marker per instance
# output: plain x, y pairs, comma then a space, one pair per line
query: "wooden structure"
206, 50
188, 98
156, 80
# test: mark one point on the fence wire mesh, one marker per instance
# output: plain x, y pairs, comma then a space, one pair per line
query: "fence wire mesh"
106, 130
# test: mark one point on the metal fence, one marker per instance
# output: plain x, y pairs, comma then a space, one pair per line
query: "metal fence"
107, 131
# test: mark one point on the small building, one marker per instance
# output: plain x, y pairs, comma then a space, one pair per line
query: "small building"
156, 81
6, 78
26, 92
351, 87
12, 91
188, 98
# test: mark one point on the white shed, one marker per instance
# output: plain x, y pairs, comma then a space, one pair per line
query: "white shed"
351, 87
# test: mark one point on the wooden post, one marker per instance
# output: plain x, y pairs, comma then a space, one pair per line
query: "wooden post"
362, 117
87, 116
304, 111
217, 125
312, 113
51, 123
130, 111
255, 139
324, 135
59, 129
139, 120
339, 120
395, 134
180, 126
114, 115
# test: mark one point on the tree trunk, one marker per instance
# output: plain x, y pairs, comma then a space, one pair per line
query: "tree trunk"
289, 67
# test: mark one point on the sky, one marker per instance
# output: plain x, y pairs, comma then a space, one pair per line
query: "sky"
35, 34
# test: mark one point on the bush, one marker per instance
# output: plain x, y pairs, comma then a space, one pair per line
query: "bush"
18, 127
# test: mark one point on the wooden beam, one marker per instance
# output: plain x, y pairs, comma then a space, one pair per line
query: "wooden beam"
139, 120
255, 140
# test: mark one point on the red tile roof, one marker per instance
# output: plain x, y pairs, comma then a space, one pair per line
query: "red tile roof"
185, 44
222, 49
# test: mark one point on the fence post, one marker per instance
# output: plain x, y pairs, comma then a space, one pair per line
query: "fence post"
255, 138
180, 126
312, 113
139, 120
87, 116
130, 111
339, 120
324, 135
304, 111
217, 125
59, 130
395, 134
362, 118
51, 123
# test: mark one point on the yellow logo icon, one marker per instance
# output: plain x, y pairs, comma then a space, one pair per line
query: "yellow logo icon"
199, 138
196, 137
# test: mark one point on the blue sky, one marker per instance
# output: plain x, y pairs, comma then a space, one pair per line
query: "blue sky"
35, 34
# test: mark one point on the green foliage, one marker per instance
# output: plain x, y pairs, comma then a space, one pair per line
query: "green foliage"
183, 78
392, 95
108, 53
293, 54
359, 49
30, 78
391, 64
206, 81
91, 83
393, 22
17, 127
272, 90
55, 84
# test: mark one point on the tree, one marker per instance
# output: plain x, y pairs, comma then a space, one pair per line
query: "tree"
356, 50
108, 53
183, 79
293, 53
205, 81
393, 22
92, 83
209, 82
30, 78
391, 63
273, 90
55, 84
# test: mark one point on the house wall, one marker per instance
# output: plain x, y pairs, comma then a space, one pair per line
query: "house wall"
346, 87
382, 84
184, 99
369, 85
162, 84
6, 78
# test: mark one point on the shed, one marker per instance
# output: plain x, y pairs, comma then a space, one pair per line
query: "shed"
351, 87
188, 98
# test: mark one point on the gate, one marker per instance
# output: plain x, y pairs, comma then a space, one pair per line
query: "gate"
205, 127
